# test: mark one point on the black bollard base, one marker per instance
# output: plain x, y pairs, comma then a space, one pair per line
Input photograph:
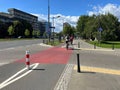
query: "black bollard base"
95, 46
113, 47
78, 63
78, 44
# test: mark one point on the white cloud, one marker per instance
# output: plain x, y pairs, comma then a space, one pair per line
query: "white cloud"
111, 8
58, 22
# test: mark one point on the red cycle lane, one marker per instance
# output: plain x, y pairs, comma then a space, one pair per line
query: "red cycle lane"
55, 55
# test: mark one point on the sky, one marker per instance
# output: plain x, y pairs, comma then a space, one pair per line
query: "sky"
68, 10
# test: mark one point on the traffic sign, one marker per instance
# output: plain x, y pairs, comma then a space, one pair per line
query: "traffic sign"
100, 29
52, 27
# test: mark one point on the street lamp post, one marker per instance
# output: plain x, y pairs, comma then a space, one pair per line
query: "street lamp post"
53, 18
49, 20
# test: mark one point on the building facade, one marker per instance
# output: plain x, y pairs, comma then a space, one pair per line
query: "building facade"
15, 14
42, 27
18, 14
66, 24
5, 17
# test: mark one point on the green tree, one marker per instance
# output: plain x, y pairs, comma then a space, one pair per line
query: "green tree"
10, 30
38, 33
28, 26
45, 35
27, 33
18, 28
81, 24
34, 33
88, 27
68, 30
109, 24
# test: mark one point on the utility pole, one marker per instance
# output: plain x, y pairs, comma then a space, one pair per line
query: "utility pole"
49, 31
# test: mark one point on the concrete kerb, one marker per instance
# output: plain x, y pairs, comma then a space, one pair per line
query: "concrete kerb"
42, 44
93, 49
82, 45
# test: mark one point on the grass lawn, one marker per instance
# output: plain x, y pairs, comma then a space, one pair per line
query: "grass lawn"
106, 44
55, 43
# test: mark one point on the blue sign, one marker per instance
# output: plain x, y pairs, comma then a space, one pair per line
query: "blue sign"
100, 29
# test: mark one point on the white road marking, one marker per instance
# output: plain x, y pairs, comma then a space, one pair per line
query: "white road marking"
7, 49
3, 63
11, 80
41, 44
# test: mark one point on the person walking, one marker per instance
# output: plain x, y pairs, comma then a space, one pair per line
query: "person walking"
67, 41
71, 39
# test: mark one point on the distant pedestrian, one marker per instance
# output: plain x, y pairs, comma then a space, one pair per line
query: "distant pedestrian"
67, 41
71, 39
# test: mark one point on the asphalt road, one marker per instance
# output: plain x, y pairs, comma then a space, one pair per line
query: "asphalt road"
14, 50
15, 43
45, 76
15, 76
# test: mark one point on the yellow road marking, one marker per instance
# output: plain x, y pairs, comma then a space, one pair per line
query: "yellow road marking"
99, 70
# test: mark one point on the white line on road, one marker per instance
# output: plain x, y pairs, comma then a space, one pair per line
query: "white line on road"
7, 49
3, 63
11, 80
17, 47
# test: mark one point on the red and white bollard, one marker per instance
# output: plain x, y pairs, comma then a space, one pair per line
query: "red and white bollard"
28, 59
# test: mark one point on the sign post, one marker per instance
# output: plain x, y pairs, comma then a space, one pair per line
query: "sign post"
100, 30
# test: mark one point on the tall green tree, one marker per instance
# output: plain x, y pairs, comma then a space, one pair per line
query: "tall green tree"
28, 26
38, 33
27, 33
10, 30
81, 24
88, 27
109, 24
34, 33
68, 30
18, 28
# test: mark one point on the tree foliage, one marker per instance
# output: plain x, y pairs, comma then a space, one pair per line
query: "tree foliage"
38, 33
10, 30
15, 29
88, 27
27, 33
68, 30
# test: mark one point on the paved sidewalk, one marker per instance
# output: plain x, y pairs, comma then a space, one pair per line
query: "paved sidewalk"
92, 78
89, 47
